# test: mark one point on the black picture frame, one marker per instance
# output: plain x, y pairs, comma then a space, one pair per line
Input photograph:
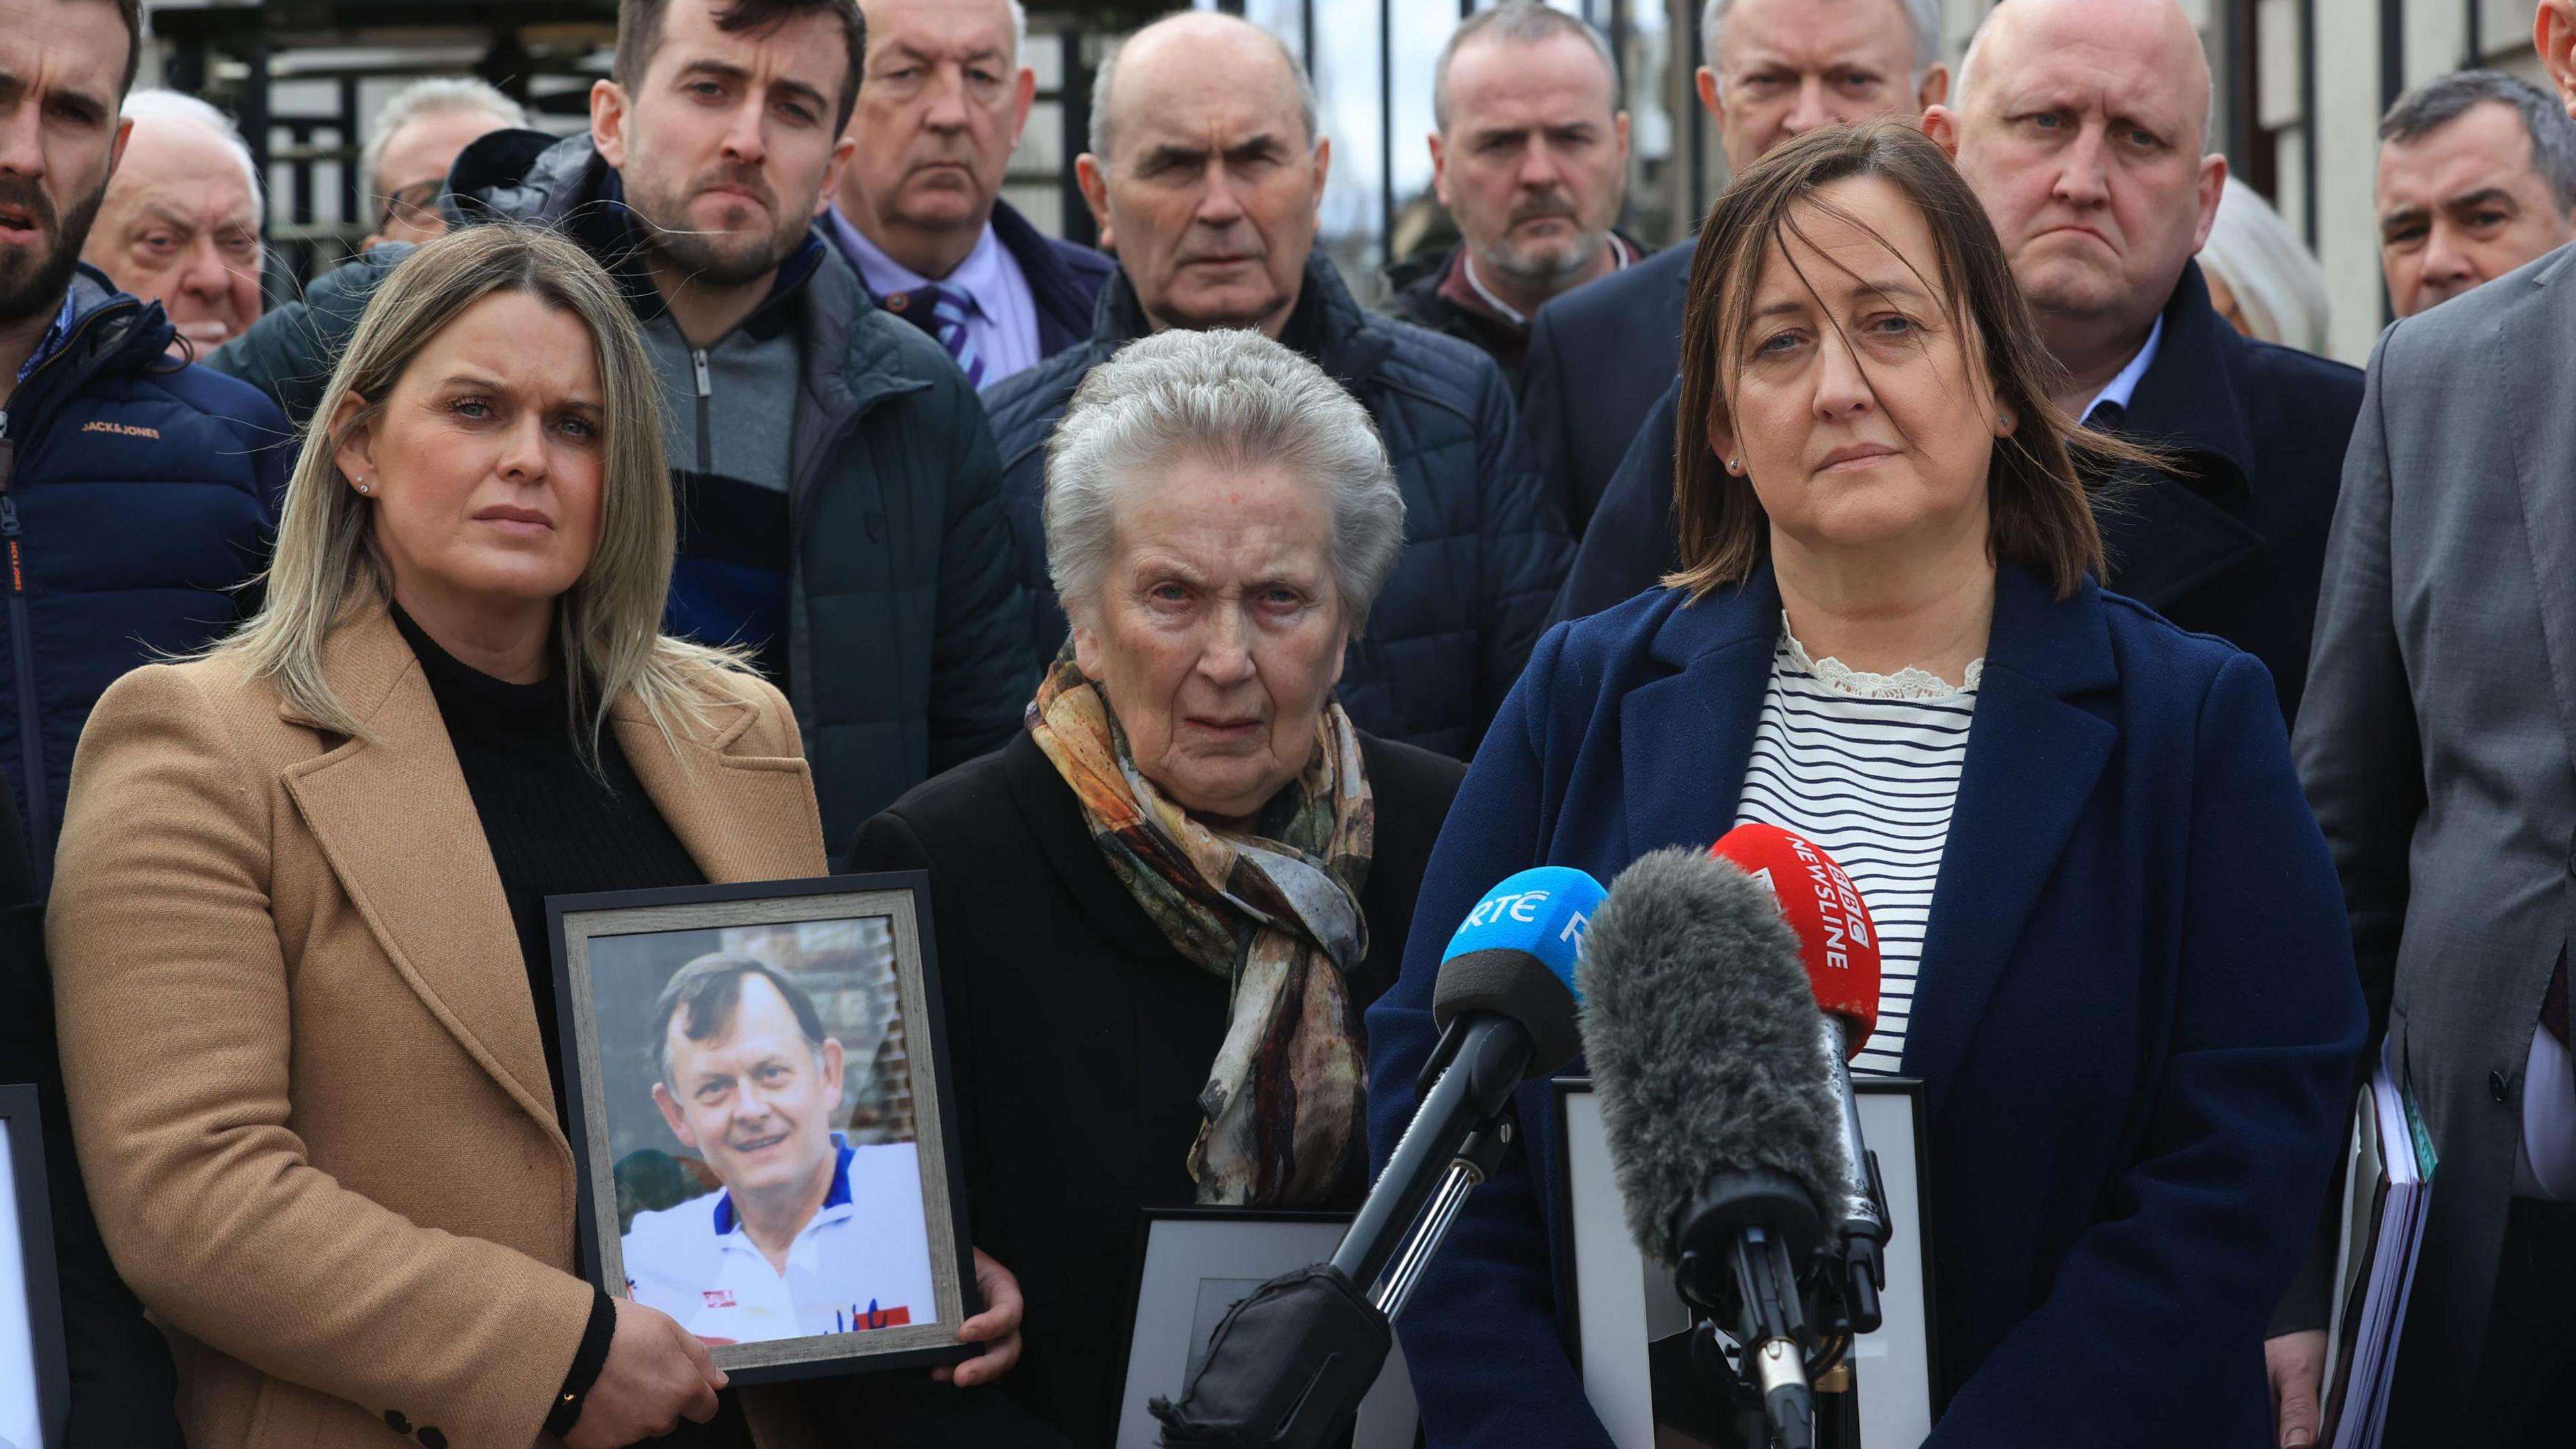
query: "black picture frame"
1561, 1210
902, 898
25, 1130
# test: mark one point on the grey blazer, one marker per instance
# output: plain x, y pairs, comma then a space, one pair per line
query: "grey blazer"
2435, 745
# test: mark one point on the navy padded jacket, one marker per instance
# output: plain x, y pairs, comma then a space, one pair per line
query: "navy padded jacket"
138, 494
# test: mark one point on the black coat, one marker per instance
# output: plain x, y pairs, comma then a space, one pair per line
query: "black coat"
2232, 543
121, 1381
1483, 554
1413, 294
1598, 356
1079, 1039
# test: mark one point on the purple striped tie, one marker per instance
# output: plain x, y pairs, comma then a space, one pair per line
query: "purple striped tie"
942, 313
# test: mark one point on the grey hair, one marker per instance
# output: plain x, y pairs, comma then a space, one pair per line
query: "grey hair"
1522, 22
2444, 99
2279, 287
1922, 16
1238, 399
1309, 108
155, 105
438, 96
1977, 40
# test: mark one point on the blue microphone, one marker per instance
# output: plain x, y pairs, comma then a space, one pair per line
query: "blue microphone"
1506, 1005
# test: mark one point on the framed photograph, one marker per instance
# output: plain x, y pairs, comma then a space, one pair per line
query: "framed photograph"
1196, 1265
35, 1387
1628, 1329
761, 1112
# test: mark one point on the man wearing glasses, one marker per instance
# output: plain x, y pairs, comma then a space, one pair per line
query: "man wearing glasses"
416, 138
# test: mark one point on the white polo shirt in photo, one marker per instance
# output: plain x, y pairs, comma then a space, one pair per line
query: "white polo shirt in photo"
863, 1262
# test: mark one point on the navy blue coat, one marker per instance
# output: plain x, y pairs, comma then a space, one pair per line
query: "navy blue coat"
1483, 554
1064, 279
2232, 542
142, 493
2136, 1019
1597, 358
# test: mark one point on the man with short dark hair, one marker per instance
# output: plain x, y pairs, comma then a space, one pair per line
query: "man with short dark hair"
1602, 355
920, 212
2477, 175
1205, 172
137, 493
1531, 158
807, 1234
839, 510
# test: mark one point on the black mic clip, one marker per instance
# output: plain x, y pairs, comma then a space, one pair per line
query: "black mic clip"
1785, 1288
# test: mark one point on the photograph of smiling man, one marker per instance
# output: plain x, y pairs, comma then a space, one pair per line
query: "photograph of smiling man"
803, 1228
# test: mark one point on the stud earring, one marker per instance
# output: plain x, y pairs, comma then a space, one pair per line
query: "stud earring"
1735, 465
363, 485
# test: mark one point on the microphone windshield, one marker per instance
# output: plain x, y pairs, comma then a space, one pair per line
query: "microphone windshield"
1514, 955
1703, 1042
1835, 936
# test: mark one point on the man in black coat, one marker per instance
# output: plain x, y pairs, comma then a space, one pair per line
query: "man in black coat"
2230, 539
1213, 234
919, 212
1599, 356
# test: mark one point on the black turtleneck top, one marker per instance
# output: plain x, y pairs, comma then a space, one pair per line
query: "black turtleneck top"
554, 828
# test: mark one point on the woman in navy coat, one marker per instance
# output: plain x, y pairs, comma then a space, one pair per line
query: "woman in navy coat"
2117, 951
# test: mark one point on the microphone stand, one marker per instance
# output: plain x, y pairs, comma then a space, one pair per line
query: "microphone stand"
1298, 1386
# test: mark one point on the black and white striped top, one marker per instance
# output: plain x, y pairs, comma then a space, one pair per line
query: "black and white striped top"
1866, 766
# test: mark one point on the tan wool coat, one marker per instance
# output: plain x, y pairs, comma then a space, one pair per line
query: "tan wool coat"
304, 1071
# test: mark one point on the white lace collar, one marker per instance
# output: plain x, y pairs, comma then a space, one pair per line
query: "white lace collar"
1906, 683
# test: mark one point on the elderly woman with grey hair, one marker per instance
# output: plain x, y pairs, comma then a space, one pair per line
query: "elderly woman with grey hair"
1161, 911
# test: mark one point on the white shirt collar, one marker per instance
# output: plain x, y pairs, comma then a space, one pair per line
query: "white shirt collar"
2124, 386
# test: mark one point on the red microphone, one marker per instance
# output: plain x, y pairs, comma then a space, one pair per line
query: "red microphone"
1824, 908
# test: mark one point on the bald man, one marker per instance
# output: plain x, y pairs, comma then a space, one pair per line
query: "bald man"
2083, 127
1204, 172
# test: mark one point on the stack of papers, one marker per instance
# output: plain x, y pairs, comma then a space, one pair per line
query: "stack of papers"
2387, 1189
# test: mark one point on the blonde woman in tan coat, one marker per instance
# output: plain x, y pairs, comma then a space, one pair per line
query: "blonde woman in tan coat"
298, 929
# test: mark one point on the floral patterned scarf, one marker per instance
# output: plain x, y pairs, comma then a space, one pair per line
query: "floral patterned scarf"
1275, 913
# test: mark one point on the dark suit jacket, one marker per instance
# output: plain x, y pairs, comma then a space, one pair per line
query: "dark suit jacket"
1080, 1039
1064, 279
2135, 1019
2232, 542
122, 1383
2438, 751
1597, 357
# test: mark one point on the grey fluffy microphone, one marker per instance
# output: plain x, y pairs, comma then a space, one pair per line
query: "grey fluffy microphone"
1723, 1128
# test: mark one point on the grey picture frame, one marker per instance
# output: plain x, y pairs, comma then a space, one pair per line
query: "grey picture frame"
33, 1249
901, 900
